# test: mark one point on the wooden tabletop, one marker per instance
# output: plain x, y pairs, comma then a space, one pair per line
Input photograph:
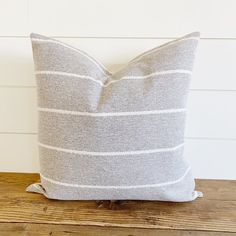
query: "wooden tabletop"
24, 213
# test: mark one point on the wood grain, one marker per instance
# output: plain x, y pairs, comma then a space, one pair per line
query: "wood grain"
27, 229
215, 212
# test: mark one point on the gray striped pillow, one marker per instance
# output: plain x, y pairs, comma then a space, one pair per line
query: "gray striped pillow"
113, 136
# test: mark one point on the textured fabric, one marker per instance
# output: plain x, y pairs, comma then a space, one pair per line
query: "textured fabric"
113, 136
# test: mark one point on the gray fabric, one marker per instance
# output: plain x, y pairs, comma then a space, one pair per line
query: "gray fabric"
168, 91
113, 136
126, 133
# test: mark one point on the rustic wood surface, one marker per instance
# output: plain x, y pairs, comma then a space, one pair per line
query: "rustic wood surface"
24, 213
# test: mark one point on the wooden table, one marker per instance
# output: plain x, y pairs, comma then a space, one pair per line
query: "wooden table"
24, 213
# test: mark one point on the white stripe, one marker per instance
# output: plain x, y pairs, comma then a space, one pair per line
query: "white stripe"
98, 64
106, 114
172, 149
117, 186
166, 72
68, 74
161, 47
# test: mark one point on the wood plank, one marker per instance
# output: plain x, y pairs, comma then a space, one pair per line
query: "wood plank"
214, 68
108, 18
23, 229
210, 113
198, 152
214, 212
13, 18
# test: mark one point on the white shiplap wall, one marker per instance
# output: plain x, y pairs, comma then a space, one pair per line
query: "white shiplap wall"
115, 32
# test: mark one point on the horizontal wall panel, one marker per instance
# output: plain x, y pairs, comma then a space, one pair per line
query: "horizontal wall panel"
210, 114
18, 111
211, 159
153, 18
214, 67
14, 18
111, 18
19, 153
218, 155
16, 62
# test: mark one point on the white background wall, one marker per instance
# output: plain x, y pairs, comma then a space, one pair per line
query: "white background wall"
114, 31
